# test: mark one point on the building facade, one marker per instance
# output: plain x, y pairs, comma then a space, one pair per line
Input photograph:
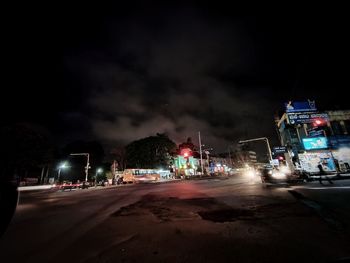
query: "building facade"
315, 139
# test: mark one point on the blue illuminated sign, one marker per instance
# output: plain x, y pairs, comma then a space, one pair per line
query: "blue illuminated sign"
315, 143
300, 106
300, 118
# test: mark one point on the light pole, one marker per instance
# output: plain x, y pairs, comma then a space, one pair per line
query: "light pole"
200, 151
260, 139
98, 171
87, 163
63, 165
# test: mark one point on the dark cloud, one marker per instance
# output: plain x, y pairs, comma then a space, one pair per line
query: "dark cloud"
163, 81
131, 71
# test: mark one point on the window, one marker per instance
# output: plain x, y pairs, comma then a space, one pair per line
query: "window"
336, 128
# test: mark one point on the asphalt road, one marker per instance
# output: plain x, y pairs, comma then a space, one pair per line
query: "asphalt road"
212, 220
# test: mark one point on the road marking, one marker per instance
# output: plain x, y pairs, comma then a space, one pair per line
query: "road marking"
325, 188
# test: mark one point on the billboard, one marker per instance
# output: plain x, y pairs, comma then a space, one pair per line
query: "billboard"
315, 143
310, 162
300, 118
300, 106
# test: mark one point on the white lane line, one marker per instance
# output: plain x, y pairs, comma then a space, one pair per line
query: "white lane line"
325, 188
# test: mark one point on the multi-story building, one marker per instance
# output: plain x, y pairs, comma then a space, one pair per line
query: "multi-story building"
315, 138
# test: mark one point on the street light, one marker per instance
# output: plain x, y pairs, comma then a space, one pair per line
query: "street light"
87, 163
260, 139
98, 171
62, 165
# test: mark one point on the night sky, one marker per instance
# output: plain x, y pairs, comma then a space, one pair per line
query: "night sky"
120, 73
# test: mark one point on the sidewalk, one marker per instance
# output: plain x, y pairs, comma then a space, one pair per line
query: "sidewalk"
35, 187
339, 176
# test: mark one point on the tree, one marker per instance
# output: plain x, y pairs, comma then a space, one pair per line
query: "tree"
24, 150
119, 154
150, 152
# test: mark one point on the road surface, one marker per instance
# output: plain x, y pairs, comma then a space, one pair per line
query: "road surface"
234, 219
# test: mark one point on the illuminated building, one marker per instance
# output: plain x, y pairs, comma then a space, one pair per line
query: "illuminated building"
313, 137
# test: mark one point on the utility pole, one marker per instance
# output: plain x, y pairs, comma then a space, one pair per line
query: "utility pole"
59, 174
200, 150
229, 155
87, 167
87, 163
113, 168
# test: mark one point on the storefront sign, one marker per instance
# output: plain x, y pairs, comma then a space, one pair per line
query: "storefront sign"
300, 118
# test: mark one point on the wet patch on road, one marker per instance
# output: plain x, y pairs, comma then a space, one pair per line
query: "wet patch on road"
166, 209
170, 208
262, 212
227, 215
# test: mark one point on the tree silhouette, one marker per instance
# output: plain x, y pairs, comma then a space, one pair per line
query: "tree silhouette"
150, 152
119, 154
23, 148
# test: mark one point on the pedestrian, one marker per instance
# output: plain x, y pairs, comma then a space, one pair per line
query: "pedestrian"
337, 166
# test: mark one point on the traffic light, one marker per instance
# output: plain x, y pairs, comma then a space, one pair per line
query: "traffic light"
319, 122
186, 152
